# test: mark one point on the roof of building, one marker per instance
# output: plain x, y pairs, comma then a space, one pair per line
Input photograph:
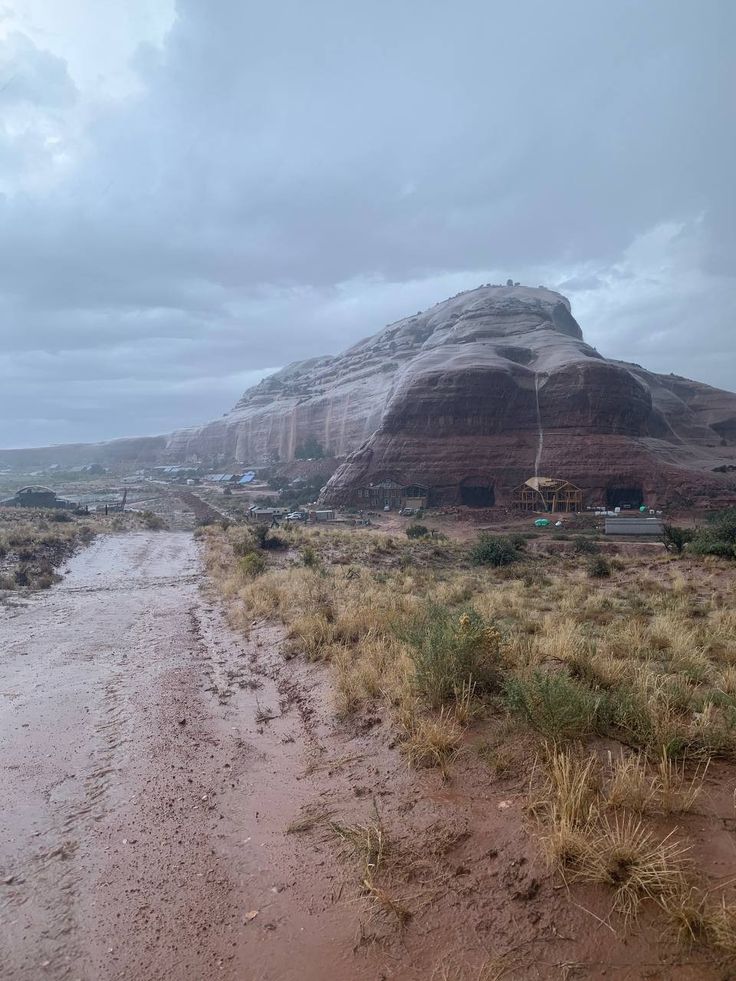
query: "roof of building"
35, 489
546, 483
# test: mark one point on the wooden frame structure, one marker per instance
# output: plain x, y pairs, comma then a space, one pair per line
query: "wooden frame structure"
548, 494
392, 493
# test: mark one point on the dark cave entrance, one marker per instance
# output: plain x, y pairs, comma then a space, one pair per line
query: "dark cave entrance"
624, 497
475, 494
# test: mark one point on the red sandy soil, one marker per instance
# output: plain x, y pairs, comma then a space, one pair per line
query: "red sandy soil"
152, 763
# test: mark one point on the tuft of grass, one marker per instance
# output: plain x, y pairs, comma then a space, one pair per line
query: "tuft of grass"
434, 740
666, 789
371, 846
626, 855
310, 817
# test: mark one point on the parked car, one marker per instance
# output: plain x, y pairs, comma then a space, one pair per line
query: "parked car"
297, 516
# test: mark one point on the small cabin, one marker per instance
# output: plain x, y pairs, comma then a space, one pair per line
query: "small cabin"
35, 496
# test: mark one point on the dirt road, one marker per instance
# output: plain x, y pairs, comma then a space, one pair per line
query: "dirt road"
152, 762
146, 788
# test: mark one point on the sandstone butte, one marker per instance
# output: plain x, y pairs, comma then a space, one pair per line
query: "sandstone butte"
483, 390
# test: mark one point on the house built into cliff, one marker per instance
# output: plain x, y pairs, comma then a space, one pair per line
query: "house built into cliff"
391, 493
548, 494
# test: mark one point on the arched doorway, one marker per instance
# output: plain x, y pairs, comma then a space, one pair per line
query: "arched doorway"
626, 498
476, 492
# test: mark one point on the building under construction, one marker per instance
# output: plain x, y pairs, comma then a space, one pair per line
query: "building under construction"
548, 494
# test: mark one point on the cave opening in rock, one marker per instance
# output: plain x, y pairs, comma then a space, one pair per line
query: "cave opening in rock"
624, 497
476, 494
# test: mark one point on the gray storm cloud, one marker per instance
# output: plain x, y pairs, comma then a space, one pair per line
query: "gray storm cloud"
285, 179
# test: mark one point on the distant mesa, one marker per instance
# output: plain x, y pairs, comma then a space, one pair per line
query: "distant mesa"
469, 401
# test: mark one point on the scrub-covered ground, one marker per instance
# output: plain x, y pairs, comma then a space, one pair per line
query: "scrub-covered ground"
596, 693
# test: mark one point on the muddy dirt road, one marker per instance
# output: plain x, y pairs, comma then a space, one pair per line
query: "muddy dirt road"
149, 769
153, 763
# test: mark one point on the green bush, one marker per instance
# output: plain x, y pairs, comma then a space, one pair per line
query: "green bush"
451, 649
252, 565
555, 704
599, 568
675, 539
719, 538
417, 531
583, 545
495, 550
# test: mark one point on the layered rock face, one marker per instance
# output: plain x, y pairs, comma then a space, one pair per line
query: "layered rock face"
479, 393
504, 388
483, 391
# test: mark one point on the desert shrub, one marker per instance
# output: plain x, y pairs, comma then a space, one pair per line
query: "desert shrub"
495, 550
252, 564
555, 704
22, 576
519, 540
264, 539
585, 546
675, 539
599, 568
243, 542
260, 533
309, 557
719, 538
61, 517
153, 522
417, 531
452, 649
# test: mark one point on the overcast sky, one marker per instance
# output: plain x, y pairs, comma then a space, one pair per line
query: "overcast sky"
193, 193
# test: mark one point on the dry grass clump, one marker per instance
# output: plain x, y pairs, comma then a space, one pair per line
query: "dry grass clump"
370, 844
699, 919
630, 858
666, 789
589, 845
433, 740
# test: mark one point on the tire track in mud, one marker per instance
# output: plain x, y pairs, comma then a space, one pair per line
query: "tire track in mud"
153, 760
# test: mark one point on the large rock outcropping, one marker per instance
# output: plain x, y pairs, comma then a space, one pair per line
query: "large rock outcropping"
503, 387
485, 389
